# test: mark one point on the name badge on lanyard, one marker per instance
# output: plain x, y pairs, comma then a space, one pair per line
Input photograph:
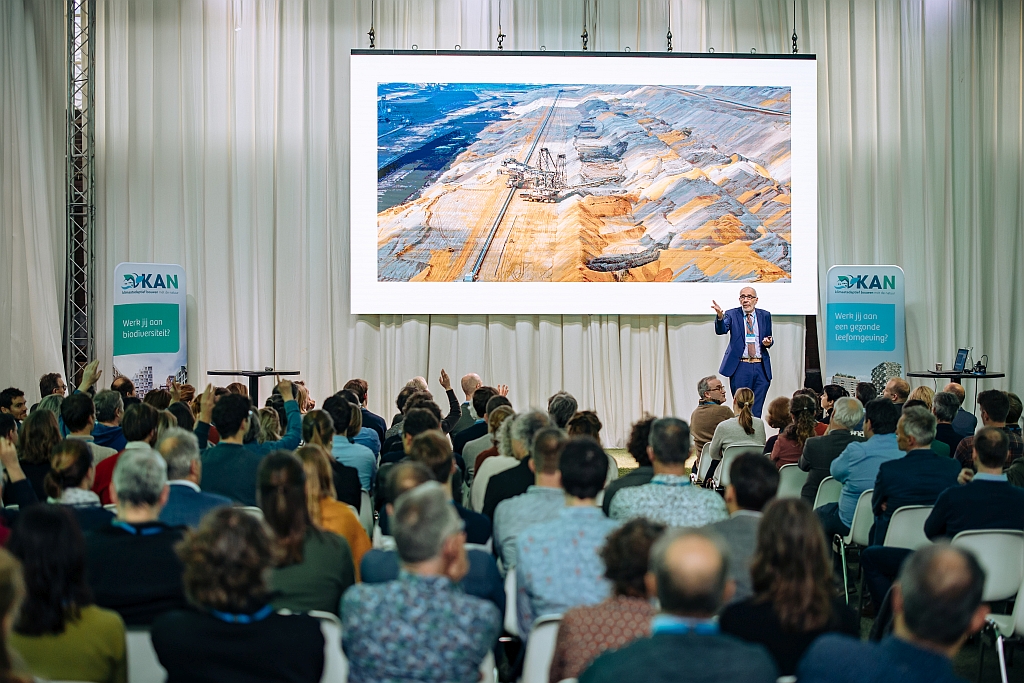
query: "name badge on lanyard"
751, 338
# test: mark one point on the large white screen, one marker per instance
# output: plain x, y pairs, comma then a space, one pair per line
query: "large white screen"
529, 184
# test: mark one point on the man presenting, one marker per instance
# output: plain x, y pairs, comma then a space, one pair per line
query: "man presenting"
746, 362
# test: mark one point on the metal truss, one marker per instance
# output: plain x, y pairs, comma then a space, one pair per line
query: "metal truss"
79, 338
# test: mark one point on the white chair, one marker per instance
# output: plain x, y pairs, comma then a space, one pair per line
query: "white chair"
489, 669
540, 649
791, 481
1000, 553
704, 462
143, 665
829, 491
511, 618
613, 471
335, 662
483, 547
382, 542
110, 506
730, 454
252, 510
1004, 627
859, 536
906, 527
366, 511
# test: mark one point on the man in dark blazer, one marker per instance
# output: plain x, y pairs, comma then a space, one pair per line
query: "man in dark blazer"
915, 479
945, 406
746, 362
689, 575
186, 502
515, 481
820, 451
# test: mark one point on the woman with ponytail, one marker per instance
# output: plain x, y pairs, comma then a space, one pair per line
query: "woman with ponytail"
742, 430
318, 430
314, 567
790, 445
69, 482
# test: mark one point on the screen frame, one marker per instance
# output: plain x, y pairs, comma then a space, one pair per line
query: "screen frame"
370, 296
960, 364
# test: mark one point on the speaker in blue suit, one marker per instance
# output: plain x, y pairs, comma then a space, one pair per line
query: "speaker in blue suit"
747, 362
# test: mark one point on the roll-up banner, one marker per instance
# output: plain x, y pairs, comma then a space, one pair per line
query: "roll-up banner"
150, 345
864, 326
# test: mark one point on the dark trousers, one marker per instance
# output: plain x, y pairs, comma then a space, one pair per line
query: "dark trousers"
752, 376
828, 515
881, 566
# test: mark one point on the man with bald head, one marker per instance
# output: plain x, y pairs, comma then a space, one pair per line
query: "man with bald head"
964, 423
897, 390
689, 573
746, 362
937, 606
470, 383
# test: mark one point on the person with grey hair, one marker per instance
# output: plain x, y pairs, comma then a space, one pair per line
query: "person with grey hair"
945, 405
820, 451
187, 504
669, 498
131, 564
710, 412
421, 622
107, 430
561, 406
937, 606
516, 480
689, 576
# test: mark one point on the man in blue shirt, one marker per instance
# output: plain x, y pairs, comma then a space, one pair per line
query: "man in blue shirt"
857, 466
937, 606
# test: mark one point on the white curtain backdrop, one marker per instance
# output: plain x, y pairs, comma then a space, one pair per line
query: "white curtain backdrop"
222, 145
32, 229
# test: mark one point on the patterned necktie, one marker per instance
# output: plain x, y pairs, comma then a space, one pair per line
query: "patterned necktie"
751, 352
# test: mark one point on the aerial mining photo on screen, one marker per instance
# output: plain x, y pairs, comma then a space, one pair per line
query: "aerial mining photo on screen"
506, 182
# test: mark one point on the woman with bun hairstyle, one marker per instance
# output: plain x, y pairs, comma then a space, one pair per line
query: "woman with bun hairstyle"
69, 483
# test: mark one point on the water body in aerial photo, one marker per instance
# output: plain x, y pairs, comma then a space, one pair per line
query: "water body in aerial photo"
509, 182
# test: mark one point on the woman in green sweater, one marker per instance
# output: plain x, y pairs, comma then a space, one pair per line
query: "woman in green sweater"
60, 633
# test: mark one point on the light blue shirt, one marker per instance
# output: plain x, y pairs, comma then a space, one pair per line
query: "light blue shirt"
358, 456
857, 468
538, 504
558, 565
757, 334
369, 438
983, 476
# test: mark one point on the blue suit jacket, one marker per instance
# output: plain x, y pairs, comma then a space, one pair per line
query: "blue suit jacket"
733, 322
185, 507
915, 479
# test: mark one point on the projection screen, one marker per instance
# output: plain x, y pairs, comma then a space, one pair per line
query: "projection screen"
573, 183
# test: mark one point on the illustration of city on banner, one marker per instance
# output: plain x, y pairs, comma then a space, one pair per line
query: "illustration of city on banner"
583, 183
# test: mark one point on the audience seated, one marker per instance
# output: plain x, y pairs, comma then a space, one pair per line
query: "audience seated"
820, 451
421, 622
472, 449
357, 431
923, 393
1016, 409
790, 445
270, 425
394, 432
361, 388
669, 498
819, 428
229, 468
78, 413
52, 384
495, 418
123, 386
314, 567
481, 396
516, 480
742, 430
230, 633
829, 395
159, 398
557, 561
318, 430
183, 415
50, 403
69, 483
12, 590
482, 579
325, 511
433, 449
424, 417
636, 446
857, 466
792, 603
541, 501
753, 481
587, 631
965, 422
915, 479
40, 433
945, 406
187, 503
504, 457
132, 566
59, 632
994, 406
561, 407
12, 402
469, 383
897, 390
584, 423
778, 418
689, 576
709, 413
17, 489
937, 606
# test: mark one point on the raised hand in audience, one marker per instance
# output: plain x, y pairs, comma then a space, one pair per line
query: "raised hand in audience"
9, 458
90, 375
446, 383
206, 405
502, 389
284, 387
175, 392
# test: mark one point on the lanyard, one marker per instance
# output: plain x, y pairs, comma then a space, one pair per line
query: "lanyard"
230, 618
135, 531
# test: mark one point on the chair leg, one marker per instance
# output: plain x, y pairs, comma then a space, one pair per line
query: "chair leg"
1002, 658
981, 653
846, 584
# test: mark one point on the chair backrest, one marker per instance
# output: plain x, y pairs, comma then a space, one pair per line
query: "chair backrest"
143, 665
511, 620
540, 649
1000, 553
335, 662
704, 462
381, 541
906, 527
483, 547
791, 481
109, 506
863, 519
489, 669
730, 454
366, 512
829, 491
252, 510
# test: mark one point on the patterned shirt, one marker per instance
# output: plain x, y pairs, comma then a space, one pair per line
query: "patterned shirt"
559, 566
586, 632
965, 451
416, 628
538, 504
672, 500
